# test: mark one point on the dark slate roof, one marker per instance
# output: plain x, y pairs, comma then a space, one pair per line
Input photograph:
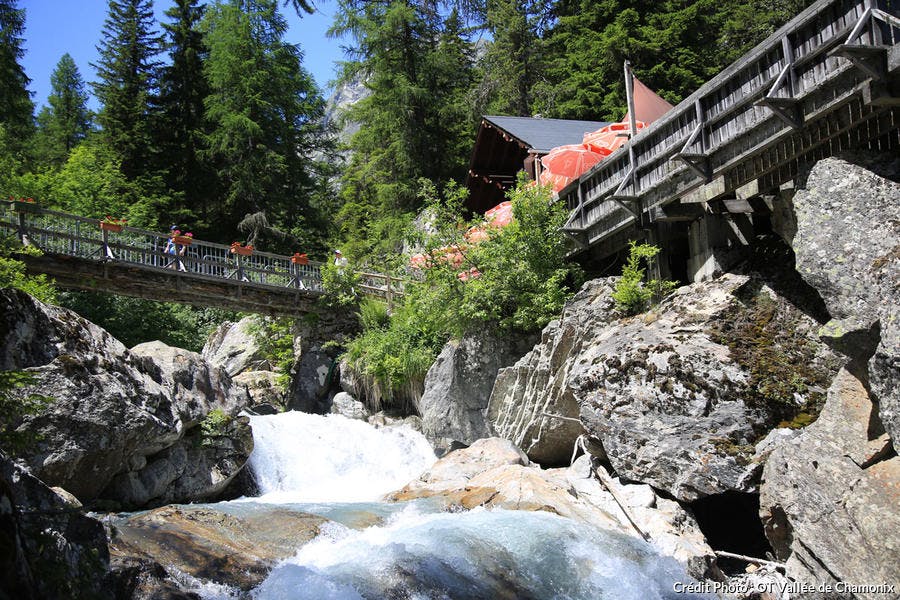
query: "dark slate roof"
545, 134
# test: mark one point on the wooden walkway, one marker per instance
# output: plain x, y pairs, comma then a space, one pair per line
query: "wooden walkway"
825, 82
132, 262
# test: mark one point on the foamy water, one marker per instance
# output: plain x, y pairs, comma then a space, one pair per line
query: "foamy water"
299, 457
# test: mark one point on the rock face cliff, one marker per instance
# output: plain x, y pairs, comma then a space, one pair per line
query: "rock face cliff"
459, 383
121, 426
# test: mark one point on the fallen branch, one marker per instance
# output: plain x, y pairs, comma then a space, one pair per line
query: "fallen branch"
750, 559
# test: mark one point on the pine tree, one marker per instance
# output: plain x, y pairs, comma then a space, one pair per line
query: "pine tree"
512, 63
183, 125
66, 121
418, 78
16, 108
266, 114
127, 72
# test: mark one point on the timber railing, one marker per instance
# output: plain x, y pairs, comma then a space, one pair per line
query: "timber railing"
764, 111
59, 233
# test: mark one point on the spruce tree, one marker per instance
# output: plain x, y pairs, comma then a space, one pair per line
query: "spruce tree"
66, 121
127, 72
266, 115
418, 79
183, 125
16, 108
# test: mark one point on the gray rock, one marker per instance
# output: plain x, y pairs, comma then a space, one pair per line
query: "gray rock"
348, 406
532, 403
235, 348
678, 409
315, 373
263, 386
50, 549
459, 383
848, 248
829, 497
111, 411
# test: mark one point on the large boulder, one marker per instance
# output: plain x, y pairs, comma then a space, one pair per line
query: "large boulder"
848, 248
532, 403
235, 347
110, 411
830, 497
315, 375
213, 545
678, 398
50, 549
459, 383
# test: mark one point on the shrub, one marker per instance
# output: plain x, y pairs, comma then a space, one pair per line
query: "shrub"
632, 294
214, 425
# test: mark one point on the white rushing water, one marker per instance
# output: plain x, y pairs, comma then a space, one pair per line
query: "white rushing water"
339, 468
299, 457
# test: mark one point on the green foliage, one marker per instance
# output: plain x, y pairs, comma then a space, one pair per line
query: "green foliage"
520, 283
265, 112
415, 122
16, 108
340, 285
127, 71
14, 406
214, 425
276, 344
13, 274
632, 294
133, 320
66, 122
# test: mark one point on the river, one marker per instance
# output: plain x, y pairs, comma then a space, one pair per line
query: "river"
339, 469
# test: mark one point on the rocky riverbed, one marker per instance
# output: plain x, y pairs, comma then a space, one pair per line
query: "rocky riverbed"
754, 413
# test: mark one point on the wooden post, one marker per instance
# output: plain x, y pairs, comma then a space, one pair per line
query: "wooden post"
388, 295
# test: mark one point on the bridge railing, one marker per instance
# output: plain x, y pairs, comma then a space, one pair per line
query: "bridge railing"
710, 130
62, 233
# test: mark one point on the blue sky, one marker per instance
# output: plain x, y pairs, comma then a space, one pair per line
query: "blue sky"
54, 27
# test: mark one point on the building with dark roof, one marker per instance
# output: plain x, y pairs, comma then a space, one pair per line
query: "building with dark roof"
506, 145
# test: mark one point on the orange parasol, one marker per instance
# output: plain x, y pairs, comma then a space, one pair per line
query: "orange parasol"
565, 164
608, 139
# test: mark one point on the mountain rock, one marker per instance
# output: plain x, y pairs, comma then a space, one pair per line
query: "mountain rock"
114, 414
531, 402
848, 248
459, 383
830, 497
235, 347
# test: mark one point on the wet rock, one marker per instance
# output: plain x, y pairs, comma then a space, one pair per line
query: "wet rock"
50, 549
348, 406
848, 248
532, 402
199, 466
459, 383
830, 497
213, 545
454, 470
144, 579
263, 387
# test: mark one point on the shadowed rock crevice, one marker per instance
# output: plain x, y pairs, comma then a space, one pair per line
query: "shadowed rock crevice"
730, 522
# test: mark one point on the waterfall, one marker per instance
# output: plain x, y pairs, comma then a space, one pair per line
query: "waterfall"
299, 457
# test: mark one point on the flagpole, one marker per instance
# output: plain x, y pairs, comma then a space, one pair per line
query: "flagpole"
632, 127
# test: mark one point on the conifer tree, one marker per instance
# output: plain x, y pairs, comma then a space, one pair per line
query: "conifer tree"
127, 72
183, 125
16, 108
266, 115
66, 121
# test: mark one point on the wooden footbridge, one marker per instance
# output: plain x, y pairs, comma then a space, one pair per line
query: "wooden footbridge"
80, 255
828, 81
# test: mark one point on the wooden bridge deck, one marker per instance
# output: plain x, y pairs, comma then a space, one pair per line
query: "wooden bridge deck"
825, 82
132, 262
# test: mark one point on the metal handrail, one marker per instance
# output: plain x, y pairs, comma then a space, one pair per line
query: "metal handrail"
56, 232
